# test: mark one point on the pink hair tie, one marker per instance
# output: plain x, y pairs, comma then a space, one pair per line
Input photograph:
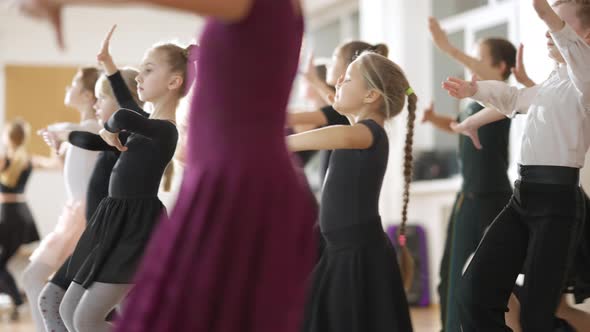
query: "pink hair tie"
402, 240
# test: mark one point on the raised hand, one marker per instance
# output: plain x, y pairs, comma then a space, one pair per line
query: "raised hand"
104, 57
465, 128
548, 15
44, 10
112, 139
310, 73
62, 135
428, 113
542, 7
439, 36
459, 88
519, 71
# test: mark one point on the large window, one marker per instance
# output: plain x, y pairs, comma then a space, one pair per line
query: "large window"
445, 8
327, 32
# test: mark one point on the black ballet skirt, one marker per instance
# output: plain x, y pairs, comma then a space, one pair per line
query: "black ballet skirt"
17, 227
356, 286
113, 244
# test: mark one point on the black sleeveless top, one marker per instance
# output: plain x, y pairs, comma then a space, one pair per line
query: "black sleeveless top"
23, 178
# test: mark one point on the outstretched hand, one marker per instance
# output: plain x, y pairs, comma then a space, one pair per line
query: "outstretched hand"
465, 128
519, 70
439, 36
104, 54
50, 138
542, 7
45, 10
104, 57
459, 88
428, 113
112, 139
310, 72
548, 15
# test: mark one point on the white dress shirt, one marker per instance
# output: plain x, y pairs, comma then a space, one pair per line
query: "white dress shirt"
557, 129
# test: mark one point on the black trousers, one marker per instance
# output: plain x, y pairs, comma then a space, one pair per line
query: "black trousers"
539, 227
443, 286
472, 216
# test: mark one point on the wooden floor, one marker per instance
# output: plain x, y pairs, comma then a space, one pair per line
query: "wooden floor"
424, 319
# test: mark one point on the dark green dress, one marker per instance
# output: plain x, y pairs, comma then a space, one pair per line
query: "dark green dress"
485, 191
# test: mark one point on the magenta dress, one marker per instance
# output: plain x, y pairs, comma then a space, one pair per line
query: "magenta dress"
239, 248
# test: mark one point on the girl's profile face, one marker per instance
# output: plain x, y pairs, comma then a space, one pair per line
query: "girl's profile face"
105, 105
351, 90
75, 92
154, 76
484, 54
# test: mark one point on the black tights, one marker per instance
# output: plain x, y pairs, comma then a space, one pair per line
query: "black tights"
8, 285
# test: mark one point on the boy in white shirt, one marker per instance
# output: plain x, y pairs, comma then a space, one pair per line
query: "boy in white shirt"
543, 217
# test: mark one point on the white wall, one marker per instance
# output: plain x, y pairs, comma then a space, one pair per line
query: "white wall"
29, 42
402, 26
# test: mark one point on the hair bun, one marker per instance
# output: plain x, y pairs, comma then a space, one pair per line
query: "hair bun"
381, 49
191, 52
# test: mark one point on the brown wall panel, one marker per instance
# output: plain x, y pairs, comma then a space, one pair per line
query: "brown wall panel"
36, 94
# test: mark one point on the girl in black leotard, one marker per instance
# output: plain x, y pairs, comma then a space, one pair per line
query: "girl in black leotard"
323, 87
342, 57
357, 284
118, 90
